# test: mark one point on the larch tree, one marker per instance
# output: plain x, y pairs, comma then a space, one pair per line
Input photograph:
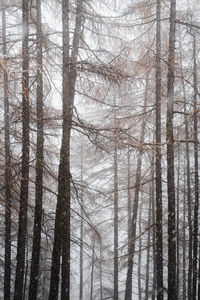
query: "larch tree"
61, 245
131, 245
159, 242
35, 260
172, 291
116, 217
8, 175
196, 176
22, 230
102, 226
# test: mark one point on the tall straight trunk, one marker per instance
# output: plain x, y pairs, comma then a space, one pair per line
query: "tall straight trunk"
159, 242
170, 161
100, 271
92, 271
115, 214
63, 199
140, 256
189, 198
196, 176
183, 243
62, 222
22, 230
199, 275
8, 175
177, 223
153, 235
149, 237
64, 173
131, 245
25, 273
34, 275
81, 239
129, 196
81, 260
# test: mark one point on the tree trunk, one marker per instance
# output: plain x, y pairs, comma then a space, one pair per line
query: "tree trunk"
159, 243
115, 213
81, 238
100, 272
62, 221
177, 223
183, 242
189, 199
129, 196
149, 237
8, 175
63, 200
92, 271
196, 177
39, 165
131, 248
188, 191
25, 273
22, 230
153, 235
140, 255
170, 161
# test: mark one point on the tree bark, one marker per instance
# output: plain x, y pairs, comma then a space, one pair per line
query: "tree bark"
101, 271
149, 237
34, 275
140, 254
62, 222
187, 184
189, 198
129, 196
159, 242
184, 238
8, 175
22, 230
177, 223
92, 271
131, 248
153, 235
115, 212
81, 238
170, 161
196, 176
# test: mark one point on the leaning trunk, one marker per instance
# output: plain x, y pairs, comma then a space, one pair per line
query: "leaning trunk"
131, 244
62, 222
